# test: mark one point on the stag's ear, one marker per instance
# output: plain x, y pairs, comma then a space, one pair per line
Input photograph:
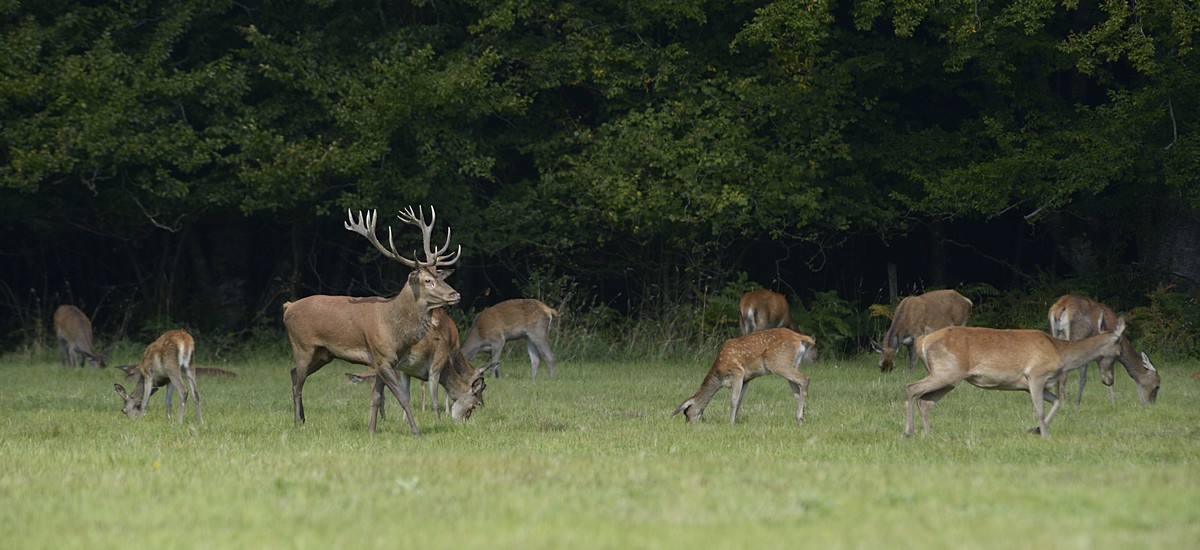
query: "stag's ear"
1146, 362
120, 391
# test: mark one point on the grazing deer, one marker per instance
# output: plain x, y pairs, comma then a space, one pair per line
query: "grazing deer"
763, 309
512, 320
73, 330
1027, 360
373, 331
132, 371
428, 360
917, 315
1076, 318
167, 360
742, 359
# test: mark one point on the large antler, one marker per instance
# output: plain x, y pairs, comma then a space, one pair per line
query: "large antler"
435, 257
365, 226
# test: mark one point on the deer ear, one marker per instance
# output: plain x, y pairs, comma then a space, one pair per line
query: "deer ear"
121, 391
1146, 362
1120, 329
875, 346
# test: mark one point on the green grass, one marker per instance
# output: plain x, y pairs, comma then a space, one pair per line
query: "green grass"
593, 459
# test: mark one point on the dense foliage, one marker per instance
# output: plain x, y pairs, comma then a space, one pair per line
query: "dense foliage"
180, 161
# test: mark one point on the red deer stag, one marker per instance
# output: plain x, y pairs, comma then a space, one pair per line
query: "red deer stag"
512, 320
917, 315
742, 359
74, 332
371, 331
428, 360
763, 309
994, 359
167, 360
1076, 318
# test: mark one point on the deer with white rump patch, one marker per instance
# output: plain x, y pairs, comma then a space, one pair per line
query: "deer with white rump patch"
373, 331
1075, 318
994, 359
167, 360
513, 320
917, 315
73, 330
762, 309
742, 359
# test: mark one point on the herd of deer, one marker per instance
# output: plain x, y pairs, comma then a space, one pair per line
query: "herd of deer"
410, 335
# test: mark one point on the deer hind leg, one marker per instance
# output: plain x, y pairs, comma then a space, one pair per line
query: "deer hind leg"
376, 403
928, 391
191, 379
307, 362
800, 390
541, 347
497, 350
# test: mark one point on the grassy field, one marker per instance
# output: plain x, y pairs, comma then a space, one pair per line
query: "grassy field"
593, 459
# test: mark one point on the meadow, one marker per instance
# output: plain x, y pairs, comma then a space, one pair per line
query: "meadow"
593, 459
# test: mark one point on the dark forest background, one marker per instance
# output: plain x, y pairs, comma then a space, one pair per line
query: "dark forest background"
180, 163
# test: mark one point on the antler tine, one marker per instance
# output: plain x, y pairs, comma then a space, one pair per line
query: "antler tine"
433, 256
365, 226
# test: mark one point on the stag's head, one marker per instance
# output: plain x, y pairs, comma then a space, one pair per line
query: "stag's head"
426, 282
133, 403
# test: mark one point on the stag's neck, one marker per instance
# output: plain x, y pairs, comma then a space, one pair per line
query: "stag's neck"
410, 318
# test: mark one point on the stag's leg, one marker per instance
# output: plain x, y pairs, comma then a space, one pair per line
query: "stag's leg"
307, 362
390, 378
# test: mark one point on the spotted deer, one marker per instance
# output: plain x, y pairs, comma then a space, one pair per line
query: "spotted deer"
742, 359
167, 360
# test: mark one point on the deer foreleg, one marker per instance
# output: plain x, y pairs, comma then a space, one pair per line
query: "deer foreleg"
400, 392
737, 391
376, 403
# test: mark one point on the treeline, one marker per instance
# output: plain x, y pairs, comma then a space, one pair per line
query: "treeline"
183, 162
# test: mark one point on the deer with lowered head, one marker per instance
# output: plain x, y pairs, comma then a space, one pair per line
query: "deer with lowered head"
762, 309
513, 320
995, 359
742, 359
373, 331
1075, 318
437, 359
73, 330
917, 315
167, 360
